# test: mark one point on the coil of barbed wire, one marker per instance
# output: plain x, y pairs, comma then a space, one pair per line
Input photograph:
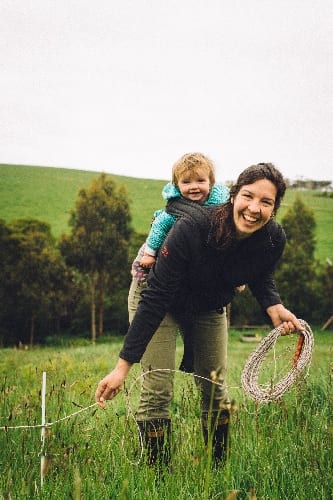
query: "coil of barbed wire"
272, 392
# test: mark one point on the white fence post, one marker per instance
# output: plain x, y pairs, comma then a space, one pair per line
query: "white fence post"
42, 456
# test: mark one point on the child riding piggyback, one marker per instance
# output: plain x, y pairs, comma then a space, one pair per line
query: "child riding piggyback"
193, 178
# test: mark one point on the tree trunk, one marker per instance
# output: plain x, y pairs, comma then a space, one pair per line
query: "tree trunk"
32, 330
100, 303
93, 309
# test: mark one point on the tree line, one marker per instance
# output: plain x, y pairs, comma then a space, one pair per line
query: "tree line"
77, 284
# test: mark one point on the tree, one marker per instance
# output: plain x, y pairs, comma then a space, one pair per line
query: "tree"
8, 253
36, 275
98, 243
324, 307
300, 225
297, 270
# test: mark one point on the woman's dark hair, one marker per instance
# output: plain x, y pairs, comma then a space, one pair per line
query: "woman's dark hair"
222, 228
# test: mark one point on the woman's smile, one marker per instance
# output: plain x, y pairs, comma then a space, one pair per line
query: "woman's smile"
249, 218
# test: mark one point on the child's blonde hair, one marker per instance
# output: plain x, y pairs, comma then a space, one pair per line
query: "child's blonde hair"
191, 163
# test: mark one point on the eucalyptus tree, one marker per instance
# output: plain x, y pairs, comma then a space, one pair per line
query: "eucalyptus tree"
36, 278
97, 245
8, 251
297, 271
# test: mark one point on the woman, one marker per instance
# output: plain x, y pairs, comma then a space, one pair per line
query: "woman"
199, 265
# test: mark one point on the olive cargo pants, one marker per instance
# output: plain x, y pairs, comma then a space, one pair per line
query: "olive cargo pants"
210, 339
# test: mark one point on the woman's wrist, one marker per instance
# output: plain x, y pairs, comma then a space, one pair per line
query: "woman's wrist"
123, 366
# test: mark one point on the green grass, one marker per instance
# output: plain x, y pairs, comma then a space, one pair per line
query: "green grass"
49, 194
281, 450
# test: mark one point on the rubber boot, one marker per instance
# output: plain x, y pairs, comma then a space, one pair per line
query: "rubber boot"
156, 440
215, 429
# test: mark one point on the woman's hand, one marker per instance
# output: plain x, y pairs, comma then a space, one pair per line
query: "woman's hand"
109, 387
281, 316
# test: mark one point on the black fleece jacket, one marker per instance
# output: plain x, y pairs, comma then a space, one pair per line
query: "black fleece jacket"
191, 275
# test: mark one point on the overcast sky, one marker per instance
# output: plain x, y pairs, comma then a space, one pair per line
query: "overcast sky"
127, 87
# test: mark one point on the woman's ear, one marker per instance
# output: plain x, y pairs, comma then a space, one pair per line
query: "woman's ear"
232, 200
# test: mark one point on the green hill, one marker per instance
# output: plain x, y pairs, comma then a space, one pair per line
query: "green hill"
48, 193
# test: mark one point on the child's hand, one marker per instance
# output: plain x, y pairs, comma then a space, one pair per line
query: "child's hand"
147, 260
240, 288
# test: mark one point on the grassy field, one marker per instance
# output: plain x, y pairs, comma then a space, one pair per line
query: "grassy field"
50, 193
279, 451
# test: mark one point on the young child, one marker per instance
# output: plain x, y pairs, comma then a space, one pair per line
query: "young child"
193, 178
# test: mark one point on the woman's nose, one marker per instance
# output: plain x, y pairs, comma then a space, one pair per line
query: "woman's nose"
254, 206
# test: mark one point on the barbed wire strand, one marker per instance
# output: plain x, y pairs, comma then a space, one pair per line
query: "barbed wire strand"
47, 424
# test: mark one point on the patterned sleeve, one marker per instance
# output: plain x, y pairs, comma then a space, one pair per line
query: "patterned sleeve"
218, 194
160, 227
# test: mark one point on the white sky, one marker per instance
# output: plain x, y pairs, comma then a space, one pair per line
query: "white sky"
128, 86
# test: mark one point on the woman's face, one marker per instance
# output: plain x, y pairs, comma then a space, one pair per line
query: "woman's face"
253, 206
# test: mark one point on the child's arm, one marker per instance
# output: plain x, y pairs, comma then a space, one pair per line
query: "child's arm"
218, 194
160, 227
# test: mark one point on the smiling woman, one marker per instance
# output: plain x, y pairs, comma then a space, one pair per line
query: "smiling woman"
254, 200
208, 252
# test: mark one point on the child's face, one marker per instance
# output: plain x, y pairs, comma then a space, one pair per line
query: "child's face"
194, 186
